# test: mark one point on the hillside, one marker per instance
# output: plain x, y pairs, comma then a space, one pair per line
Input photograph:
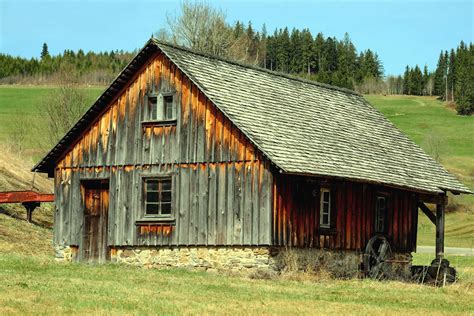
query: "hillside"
15, 174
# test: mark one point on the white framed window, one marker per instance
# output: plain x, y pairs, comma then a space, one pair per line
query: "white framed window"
325, 208
380, 214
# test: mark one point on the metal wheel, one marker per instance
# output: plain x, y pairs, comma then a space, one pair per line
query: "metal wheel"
377, 252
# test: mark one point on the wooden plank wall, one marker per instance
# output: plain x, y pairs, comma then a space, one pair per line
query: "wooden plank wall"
222, 185
295, 217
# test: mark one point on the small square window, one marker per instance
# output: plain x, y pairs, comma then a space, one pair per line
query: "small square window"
158, 197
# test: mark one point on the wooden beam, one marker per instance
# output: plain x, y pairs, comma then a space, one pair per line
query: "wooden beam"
427, 212
440, 230
25, 196
432, 198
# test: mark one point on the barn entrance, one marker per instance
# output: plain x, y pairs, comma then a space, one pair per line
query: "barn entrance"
96, 208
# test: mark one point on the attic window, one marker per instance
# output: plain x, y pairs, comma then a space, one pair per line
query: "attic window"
161, 109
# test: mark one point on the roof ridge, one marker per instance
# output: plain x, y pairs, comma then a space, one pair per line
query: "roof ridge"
257, 68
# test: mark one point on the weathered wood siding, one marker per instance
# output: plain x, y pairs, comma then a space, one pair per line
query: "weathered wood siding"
296, 207
221, 185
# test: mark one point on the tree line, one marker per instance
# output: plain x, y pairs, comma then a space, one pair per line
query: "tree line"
452, 80
87, 68
298, 52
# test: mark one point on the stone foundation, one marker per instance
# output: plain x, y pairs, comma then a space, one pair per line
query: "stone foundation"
248, 260
230, 259
64, 253
244, 260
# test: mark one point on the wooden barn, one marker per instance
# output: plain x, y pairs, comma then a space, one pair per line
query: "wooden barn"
190, 160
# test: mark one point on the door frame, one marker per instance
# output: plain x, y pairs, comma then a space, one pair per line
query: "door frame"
103, 184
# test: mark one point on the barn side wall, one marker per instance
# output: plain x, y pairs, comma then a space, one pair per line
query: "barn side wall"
296, 209
221, 184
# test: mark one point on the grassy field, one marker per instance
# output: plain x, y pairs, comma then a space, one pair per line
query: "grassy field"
33, 283
22, 105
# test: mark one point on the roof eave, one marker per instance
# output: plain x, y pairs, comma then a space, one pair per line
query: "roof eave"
397, 186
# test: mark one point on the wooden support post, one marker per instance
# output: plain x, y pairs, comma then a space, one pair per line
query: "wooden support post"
30, 207
440, 208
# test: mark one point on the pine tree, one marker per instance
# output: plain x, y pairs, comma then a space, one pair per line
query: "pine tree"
306, 51
464, 81
451, 74
406, 81
416, 80
439, 75
45, 52
282, 47
318, 46
295, 50
446, 72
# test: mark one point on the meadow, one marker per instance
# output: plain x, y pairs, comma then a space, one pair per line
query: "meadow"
33, 283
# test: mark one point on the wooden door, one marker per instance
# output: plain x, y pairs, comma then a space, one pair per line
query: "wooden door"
96, 207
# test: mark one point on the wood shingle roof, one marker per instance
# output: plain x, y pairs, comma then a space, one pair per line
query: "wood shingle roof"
309, 128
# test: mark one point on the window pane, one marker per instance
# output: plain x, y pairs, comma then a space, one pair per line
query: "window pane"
153, 105
152, 197
151, 185
165, 185
152, 209
168, 107
326, 196
325, 219
166, 196
326, 208
166, 208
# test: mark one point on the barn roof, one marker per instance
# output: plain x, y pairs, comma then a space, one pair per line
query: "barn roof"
302, 126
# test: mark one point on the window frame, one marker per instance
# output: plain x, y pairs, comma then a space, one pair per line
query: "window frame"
158, 109
381, 216
159, 216
321, 208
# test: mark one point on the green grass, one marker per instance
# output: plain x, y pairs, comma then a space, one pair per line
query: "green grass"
31, 285
22, 104
459, 230
32, 282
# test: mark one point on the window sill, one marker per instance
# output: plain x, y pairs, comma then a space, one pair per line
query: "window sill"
155, 221
327, 231
159, 123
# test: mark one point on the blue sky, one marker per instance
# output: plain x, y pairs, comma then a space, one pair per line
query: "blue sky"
401, 32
